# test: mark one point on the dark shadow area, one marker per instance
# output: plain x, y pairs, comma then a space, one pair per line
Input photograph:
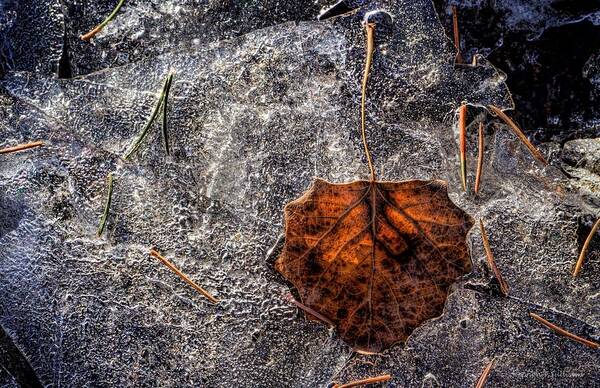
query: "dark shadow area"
64, 64
552, 87
15, 363
10, 215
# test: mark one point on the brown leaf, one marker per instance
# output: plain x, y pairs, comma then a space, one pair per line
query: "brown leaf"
375, 258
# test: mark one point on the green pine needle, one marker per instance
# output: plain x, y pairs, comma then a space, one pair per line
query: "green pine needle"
106, 205
165, 131
157, 110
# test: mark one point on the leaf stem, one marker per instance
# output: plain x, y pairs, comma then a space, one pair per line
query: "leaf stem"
485, 374
157, 109
165, 131
109, 193
563, 332
370, 31
481, 146
21, 147
490, 259
370, 380
88, 36
584, 249
517, 131
183, 276
462, 137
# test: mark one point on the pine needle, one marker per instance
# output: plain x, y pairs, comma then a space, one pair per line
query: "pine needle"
109, 193
491, 261
157, 109
310, 311
462, 136
183, 276
370, 380
517, 131
481, 143
584, 249
459, 58
563, 332
484, 375
165, 131
88, 36
21, 147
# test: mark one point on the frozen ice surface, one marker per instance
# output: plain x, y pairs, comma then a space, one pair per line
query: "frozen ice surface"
146, 28
252, 120
581, 161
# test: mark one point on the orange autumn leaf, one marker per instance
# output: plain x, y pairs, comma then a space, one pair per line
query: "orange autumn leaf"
375, 258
